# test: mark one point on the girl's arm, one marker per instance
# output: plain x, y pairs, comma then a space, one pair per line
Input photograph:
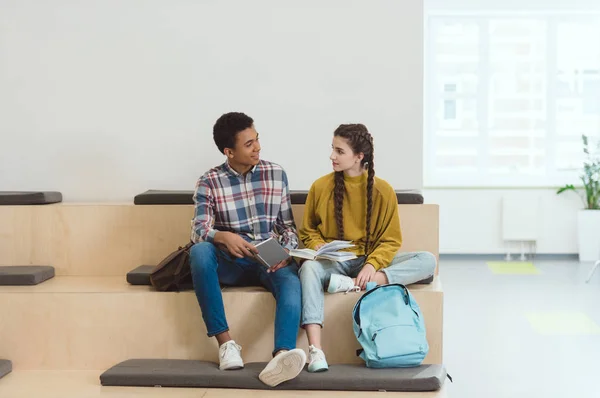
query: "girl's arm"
309, 232
389, 233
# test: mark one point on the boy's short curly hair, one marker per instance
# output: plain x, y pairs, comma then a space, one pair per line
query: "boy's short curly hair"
227, 127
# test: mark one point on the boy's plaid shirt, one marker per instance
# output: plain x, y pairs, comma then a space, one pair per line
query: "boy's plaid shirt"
256, 206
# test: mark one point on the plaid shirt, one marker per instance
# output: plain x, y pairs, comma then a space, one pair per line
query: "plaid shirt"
256, 206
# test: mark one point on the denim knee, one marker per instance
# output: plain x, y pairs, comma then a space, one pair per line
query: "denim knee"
200, 256
428, 261
311, 271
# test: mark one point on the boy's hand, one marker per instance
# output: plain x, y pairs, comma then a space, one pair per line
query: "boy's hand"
235, 244
282, 264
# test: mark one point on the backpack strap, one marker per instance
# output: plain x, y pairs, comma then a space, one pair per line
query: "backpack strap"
371, 287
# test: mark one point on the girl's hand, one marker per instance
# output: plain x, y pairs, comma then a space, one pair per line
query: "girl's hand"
365, 275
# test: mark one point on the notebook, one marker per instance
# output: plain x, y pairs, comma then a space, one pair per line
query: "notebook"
270, 252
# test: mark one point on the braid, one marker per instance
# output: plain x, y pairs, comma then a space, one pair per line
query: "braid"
338, 199
361, 141
368, 159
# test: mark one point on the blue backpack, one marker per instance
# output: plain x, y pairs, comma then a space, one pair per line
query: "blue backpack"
389, 326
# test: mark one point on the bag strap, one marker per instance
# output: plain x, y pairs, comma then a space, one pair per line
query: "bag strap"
406, 300
183, 257
185, 252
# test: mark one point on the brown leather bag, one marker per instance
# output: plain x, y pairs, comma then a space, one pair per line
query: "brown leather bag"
174, 272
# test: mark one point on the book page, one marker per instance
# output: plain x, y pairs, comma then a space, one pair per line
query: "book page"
335, 246
338, 256
304, 253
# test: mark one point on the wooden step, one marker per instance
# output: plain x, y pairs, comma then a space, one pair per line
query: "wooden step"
80, 323
78, 384
111, 239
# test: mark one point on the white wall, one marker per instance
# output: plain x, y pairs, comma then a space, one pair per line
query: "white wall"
471, 219
102, 99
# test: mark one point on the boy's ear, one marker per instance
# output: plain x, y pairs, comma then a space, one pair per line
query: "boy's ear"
228, 152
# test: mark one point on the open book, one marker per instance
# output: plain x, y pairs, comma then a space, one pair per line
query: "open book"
328, 251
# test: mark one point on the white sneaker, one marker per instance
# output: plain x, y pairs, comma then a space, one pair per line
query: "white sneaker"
341, 283
316, 360
230, 356
283, 367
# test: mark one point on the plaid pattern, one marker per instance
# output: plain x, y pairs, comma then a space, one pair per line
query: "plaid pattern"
256, 206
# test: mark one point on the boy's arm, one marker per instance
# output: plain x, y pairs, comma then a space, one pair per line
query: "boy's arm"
203, 222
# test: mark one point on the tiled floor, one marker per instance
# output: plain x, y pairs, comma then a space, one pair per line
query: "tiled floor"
528, 330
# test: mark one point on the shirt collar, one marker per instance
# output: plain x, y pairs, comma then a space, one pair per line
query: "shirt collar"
230, 169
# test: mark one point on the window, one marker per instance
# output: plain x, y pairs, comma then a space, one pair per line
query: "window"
508, 98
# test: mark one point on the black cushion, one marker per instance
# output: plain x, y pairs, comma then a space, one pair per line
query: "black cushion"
16, 275
404, 197
425, 281
156, 197
5, 367
29, 198
409, 197
140, 275
189, 373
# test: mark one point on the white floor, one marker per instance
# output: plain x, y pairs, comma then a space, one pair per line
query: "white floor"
531, 335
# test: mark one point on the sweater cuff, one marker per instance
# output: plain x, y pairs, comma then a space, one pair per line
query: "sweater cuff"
375, 263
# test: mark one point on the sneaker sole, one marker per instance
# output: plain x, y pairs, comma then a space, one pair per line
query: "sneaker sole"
232, 366
318, 369
287, 368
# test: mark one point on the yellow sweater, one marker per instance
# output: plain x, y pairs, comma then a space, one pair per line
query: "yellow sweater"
319, 225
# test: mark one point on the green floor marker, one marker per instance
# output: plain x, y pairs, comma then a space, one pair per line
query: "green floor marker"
513, 268
563, 324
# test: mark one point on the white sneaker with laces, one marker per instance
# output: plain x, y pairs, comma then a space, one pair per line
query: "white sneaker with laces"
341, 283
316, 360
283, 367
230, 357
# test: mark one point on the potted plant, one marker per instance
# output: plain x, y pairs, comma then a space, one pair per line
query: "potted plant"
588, 219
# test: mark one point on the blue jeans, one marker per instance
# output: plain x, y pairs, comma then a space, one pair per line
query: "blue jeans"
212, 267
406, 268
